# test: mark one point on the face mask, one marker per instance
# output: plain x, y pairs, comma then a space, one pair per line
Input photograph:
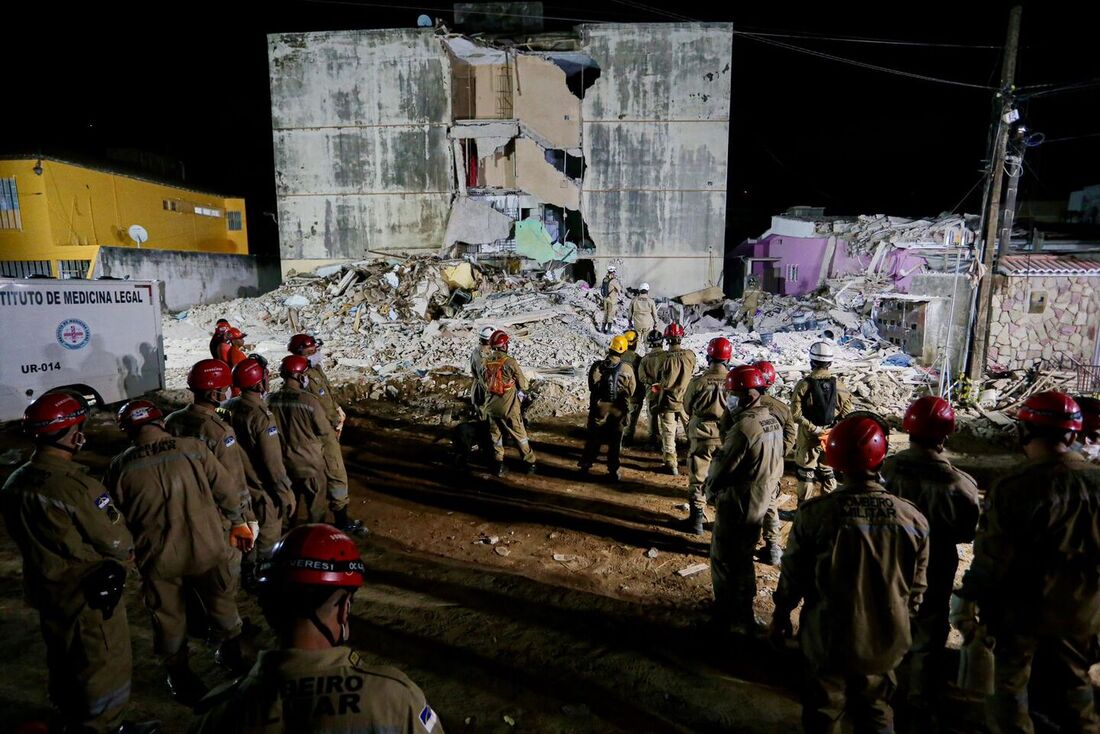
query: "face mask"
304, 380
314, 359
78, 441
732, 403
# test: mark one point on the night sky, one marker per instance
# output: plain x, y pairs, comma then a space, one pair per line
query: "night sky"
190, 82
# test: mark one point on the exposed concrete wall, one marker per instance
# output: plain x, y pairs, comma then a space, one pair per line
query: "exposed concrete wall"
191, 278
544, 103
950, 329
362, 159
1066, 325
655, 138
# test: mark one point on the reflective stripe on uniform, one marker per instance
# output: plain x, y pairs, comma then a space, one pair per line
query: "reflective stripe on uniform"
338, 493
108, 701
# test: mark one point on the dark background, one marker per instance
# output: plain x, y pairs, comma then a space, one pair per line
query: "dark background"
189, 83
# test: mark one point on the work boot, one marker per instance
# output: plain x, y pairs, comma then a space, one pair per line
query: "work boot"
672, 464
693, 525
499, 469
585, 469
749, 626
613, 475
231, 654
354, 528
770, 555
787, 515
138, 727
183, 684
531, 470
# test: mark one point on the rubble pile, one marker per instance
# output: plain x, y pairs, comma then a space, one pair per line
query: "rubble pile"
864, 233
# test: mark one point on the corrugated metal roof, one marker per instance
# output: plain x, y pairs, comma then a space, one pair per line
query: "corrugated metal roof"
1039, 264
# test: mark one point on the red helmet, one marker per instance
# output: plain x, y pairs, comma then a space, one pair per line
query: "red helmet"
720, 349
768, 370
929, 419
53, 413
856, 444
221, 326
293, 365
209, 374
1051, 410
745, 377
248, 373
313, 555
137, 413
674, 331
1090, 413
499, 340
298, 342
235, 333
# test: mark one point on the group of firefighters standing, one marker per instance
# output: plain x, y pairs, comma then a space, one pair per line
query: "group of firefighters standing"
198, 504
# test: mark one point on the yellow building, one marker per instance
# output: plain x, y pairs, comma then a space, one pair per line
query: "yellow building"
54, 217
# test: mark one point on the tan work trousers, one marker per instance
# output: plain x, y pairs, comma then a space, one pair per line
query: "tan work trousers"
216, 588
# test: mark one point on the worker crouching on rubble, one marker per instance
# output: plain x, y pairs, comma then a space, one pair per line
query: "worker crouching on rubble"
1034, 584
505, 385
611, 386
857, 558
705, 402
948, 499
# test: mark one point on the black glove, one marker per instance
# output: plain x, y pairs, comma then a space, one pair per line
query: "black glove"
103, 587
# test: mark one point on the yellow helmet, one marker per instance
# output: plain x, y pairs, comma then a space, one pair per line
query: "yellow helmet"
619, 344
631, 337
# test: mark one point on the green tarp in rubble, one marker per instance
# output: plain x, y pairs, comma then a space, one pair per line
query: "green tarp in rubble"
533, 241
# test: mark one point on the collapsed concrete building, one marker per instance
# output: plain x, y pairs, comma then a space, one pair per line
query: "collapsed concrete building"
607, 145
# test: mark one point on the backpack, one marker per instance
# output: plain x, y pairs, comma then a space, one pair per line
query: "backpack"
819, 404
607, 390
495, 382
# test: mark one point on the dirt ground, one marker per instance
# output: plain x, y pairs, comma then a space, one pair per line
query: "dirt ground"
539, 604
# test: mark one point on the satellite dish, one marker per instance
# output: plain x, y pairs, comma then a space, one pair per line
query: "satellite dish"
138, 234
424, 22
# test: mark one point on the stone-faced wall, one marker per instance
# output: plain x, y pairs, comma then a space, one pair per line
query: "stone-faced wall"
1064, 322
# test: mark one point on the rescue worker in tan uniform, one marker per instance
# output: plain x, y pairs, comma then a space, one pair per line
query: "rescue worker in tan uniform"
611, 290
648, 372
479, 397
750, 303
313, 682
75, 547
643, 311
677, 367
258, 436
1035, 578
186, 513
742, 480
705, 402
336, 473
771, 553
506, 384
631, 359
611, 385
303, 425
857, 558
819, 400
209, 382
948, 499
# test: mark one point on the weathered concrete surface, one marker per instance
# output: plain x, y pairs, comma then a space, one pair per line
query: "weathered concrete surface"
475, 223
361, 151
191, 278
656, 131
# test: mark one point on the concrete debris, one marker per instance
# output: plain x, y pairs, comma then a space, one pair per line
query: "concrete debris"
562, 558
692, 570
502, 551
651, 553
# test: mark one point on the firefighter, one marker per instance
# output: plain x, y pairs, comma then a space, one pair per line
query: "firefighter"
268, 484
186, 513
948, 499
506, 387
750, 302
857, 559
209, 381
75, 547
705, 402
479, 398
611, 290
677, 367
1089, 437
631, 358
304, 427
1034, 583
612, 385
643, 311
314, 682
742, 479
771, 552
819, 400
219, 342
647, 371
336, 474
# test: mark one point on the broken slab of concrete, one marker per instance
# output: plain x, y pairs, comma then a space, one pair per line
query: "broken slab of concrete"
540, 179
475, 223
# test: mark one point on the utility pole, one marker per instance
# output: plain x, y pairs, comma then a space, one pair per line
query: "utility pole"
984, 301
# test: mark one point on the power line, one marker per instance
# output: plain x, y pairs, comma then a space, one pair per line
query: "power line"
1048, 141
862, 64
366, 4
1073, 87
968, 193
861, 39
656, 11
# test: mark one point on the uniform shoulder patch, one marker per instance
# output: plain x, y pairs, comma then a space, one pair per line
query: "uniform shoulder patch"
428, 719
320, 391
103, 501
272, 431
229, 441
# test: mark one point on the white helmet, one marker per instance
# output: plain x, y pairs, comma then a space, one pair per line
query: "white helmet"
821, 352
611, 268
644, 287
485, 333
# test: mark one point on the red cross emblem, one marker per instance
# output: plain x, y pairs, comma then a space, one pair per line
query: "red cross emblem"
74, 334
